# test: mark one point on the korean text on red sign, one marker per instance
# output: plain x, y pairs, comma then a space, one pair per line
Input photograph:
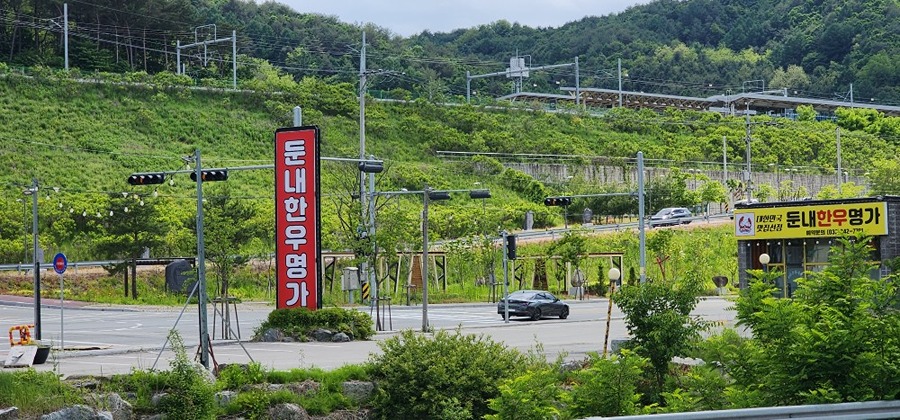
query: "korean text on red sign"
297, 225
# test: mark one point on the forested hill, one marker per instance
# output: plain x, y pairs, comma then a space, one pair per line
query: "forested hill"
817, 48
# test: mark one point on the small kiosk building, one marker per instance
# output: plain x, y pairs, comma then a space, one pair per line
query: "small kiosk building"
797, 235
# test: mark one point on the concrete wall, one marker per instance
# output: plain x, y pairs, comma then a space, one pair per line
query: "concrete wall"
602, 174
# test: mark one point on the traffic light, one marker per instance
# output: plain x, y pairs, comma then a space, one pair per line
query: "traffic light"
438, 195
207, 176
511, 247
557, 201
479, 194
146, 179
371, 166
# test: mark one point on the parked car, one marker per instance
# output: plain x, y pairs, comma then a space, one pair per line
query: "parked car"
671, 216
534, 304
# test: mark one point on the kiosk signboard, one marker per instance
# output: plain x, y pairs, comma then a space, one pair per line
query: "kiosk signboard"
818, 221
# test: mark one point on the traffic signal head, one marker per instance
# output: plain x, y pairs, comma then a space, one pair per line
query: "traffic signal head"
438, 195
511, 247
480, 194
218, 175
146, 179
557, 201
371, 166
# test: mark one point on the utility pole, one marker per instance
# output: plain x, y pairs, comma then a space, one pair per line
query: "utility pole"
840, 172
724, 160
642, 234
749, 191
66, 33
620, 83
425, 193
362, 146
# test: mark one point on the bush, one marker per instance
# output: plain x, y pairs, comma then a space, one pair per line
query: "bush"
609, 386
449, 375
299, 322
536, 395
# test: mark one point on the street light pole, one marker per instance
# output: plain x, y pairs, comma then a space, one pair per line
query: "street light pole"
33, 192
427, 190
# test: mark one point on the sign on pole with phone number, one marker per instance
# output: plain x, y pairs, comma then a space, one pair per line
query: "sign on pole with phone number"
817, 221
297, 222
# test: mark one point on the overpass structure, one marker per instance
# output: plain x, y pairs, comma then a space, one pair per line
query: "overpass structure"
754, 101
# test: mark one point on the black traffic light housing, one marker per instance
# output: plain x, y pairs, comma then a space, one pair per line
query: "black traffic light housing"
438, 195
371, 166
480, 194
217, 175
558, 201
511, 247
146, 179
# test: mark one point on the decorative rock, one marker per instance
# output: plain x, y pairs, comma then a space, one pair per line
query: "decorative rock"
11, 413
340, 338
302, 388
274, 387
358, 391
361, 414
288, 411
272, 335
616, 345
224, 397
322, 334
157, 399
119, 408
205, 373
77, 412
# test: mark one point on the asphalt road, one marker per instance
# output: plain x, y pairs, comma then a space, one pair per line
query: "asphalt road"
104, 341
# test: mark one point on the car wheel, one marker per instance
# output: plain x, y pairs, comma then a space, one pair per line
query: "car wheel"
536, 314
503, 316
564, 313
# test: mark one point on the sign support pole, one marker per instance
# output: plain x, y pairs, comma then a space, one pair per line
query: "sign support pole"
201, 266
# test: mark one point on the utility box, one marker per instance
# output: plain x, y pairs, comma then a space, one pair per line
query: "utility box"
350, 279
179, 272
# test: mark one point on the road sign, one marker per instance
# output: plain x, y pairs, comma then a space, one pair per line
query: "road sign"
60, 263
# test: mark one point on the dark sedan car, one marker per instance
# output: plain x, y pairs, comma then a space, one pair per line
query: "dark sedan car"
534, 304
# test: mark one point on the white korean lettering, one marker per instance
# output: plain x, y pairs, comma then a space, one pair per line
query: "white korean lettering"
299, 181
294, 152
293, 205
296, 265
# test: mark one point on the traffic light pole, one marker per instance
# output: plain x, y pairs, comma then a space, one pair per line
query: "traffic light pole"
504, 235
201, 265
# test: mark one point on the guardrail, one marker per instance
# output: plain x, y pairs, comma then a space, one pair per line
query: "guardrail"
853, 410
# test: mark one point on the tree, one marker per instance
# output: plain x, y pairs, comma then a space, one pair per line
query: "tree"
657, 316
884, 177
129, 227
806, 113
794, 77
228, 226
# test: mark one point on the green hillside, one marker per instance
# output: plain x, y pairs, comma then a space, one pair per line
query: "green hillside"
82, 139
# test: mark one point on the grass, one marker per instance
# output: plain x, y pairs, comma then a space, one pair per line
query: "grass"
36, 393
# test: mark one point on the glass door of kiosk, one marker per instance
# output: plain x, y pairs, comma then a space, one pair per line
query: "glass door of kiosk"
793, 267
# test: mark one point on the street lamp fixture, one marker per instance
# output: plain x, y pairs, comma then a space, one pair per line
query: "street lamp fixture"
764, 260
614, 274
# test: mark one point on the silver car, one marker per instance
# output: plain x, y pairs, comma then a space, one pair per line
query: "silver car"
671, 216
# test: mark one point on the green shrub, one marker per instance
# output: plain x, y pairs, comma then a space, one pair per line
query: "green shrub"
237, 376
190, 396
299, 322
451, 375
609, 386
35, 392
535, 395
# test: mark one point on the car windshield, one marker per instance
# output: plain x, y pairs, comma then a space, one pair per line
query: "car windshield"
663, 212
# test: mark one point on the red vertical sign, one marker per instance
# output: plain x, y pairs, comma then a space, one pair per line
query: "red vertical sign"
297, 226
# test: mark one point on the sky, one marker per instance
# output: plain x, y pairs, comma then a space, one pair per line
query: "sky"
410, 17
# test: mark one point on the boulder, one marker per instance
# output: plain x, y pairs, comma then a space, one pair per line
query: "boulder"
10, 413
224, 397
340, 338
321, 334
302, 388
272, 335
77, 412
358, 391
119, 408
288, 411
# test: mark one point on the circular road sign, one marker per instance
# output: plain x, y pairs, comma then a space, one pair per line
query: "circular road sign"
60, 263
